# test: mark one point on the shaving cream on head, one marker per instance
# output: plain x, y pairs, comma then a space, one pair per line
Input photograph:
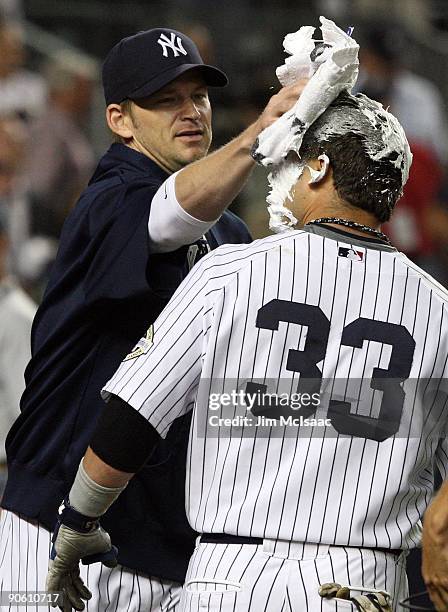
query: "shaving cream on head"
393, 137
282, 180
382, 134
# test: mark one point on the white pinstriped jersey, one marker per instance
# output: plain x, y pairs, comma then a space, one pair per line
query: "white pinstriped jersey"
306, 311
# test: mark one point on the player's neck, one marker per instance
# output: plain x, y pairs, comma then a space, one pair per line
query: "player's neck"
338, 210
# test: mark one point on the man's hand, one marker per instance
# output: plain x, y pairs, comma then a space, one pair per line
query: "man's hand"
435, 549
90, 544
279, 104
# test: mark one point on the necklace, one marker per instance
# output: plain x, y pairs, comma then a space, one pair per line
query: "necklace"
353, 224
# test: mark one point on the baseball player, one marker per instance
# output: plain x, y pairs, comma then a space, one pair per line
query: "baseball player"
310, 503
147, 215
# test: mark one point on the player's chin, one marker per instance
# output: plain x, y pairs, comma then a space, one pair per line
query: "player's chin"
192, 153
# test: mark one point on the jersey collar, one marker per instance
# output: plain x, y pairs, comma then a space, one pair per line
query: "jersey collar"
336, 233
120, 156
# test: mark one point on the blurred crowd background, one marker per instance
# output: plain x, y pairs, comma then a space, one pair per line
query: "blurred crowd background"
52, 126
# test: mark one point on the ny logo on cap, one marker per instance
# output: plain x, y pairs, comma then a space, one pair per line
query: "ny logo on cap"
166, 44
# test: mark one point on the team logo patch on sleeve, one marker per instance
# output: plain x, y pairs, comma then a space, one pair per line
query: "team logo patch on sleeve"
142, 346
197, 250
351, 254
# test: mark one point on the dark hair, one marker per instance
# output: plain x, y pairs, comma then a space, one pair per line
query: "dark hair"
344, 132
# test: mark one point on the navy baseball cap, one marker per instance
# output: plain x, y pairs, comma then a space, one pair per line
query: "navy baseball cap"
140, 65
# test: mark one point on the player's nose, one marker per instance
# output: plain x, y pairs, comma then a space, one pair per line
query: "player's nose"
190, 110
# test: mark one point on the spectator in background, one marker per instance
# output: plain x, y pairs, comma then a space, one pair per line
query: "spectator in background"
14, 198
33, 265
60, 159
21, 92
16, 315
12, 10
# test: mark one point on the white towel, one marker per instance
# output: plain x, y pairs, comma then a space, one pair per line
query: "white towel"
331, 66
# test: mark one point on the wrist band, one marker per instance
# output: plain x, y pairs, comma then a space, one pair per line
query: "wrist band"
89, 498
70, 517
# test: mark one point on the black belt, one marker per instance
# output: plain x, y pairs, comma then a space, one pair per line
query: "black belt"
225, 538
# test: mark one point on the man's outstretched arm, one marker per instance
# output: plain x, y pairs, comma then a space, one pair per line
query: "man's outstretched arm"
206, 187
190, 201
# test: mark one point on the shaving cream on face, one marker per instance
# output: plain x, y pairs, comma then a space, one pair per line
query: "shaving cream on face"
282, 181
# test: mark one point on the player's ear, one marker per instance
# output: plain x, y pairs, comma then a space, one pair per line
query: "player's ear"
318, 169
119, 121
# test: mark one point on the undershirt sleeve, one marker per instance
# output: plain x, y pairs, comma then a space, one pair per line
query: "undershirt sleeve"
123, 438
170, 226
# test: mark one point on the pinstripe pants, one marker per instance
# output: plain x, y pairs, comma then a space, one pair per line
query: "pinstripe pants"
24, 554
285, 577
